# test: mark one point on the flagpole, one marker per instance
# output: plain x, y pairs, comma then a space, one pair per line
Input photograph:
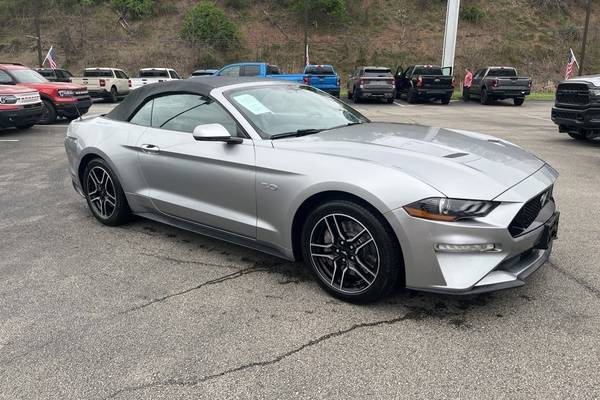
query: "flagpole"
585, 35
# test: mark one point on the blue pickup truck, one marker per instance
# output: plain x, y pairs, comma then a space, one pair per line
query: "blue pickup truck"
320, 76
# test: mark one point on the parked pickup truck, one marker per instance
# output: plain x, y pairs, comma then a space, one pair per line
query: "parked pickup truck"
259, 70
577, 107
499, 83
19, 107
105, 83
55, 74
323, 77
371, 83
59, 99
424, 82
153, 75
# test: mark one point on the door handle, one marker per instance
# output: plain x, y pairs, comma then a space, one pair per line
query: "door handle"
150, 148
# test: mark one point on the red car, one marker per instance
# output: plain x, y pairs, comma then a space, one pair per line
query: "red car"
58, 99
19, 107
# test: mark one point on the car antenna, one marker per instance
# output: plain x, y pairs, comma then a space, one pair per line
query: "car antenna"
78, 113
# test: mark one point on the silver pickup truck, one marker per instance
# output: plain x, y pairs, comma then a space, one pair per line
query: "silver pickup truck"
499, 83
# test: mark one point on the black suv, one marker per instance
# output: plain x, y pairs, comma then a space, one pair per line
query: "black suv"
425, 82
577, 107
55, 75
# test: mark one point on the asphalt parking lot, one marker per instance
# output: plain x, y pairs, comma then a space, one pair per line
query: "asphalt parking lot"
146, 311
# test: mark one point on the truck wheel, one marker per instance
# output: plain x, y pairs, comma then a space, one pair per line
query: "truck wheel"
577, 135
356, 97
411, 97
114, 95
485, 98
48, 113
519, 101
349, 94
446, 100
390, 101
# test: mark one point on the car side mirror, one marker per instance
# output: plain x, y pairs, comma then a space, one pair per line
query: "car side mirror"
215, 133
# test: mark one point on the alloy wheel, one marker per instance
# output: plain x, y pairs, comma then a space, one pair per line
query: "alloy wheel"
344, 253
101, 192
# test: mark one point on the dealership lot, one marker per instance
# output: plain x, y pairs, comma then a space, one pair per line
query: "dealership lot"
146, 311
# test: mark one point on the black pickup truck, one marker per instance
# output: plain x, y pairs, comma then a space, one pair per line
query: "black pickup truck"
424, 82
499, 83
577, 107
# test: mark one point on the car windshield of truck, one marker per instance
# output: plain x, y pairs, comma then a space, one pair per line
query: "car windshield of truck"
278, 111
378, 72
273, 70
319, 70
98, 73
503, 72
27, 76
428, 71
154, 74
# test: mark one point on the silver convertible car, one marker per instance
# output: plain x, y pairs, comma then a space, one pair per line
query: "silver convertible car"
289, 170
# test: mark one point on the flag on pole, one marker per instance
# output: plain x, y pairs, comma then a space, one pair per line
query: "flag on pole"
571, 65
306, 58
51, 57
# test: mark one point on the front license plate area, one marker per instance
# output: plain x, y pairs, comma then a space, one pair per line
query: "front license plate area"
550, 233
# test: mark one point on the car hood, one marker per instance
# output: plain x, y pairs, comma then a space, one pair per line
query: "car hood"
9, 89
457, 163
45, 86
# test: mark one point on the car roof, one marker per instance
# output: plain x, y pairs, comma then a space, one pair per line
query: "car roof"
155, 69
200, 85
12, 66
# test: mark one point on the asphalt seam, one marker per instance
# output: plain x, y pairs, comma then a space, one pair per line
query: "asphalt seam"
584, 284
411, 315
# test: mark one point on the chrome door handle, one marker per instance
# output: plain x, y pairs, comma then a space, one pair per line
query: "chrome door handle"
150, 148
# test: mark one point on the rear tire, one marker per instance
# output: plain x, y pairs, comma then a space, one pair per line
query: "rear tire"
446, 100
485, 97
104, 194
519, 101
114, 95
411, 97
361, 261
390, 101
577, 135
48, 113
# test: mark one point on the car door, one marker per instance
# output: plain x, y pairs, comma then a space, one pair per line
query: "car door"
122, 81
233, 71
210, 183
405, 79
477, 80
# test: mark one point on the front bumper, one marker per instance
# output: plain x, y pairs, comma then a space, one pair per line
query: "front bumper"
99, 94
576, 120
507, 266
26, 115
73, 108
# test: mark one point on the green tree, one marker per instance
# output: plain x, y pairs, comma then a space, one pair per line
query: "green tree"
206, 24
135, 8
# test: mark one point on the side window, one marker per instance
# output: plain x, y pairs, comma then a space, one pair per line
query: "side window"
183, 112
143, 116
121, 75
5, 78
231, 71
174, 74
409, 72
250, 70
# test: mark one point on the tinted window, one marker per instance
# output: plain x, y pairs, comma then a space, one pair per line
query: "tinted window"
428, 71
27, 76
98, 73
67, 73
47, 73
319, 70
231, 71
183, 112
153, 74
273, 70
502, 72
5, 78
378, 72
174, 74
144, 115
121, 75
250, 70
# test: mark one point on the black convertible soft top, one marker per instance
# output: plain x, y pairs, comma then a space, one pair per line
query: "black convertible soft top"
200, 85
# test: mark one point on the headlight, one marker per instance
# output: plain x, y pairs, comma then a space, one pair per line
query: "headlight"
8, 99
443, 209
595, 94
66, 93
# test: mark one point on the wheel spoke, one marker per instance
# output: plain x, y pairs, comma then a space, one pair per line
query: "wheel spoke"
364, 244
364, 266
342, 278
359, 274
358, 235
327, 256
337, 227
334, 271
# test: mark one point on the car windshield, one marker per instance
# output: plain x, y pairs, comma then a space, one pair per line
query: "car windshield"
153, 73
502, 72
428, 71
45, 72
319, 70
378, 72
27, 76
279, 110
98, 73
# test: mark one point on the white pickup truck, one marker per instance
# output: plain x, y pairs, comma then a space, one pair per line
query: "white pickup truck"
147, 76
105, 83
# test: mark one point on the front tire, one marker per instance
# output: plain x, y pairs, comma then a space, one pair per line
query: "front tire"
104, 194
352, 252
48, 113
485, 97
114, 95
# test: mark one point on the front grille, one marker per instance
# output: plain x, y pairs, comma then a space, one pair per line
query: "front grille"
573, 93
564, 115
527, 215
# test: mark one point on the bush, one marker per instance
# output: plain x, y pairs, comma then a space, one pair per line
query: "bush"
135, 8
472, 14
238, 4
331, 11
207, 24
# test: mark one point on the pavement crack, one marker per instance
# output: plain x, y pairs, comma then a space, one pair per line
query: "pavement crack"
416, 314
182, 261
233, 275
584, 284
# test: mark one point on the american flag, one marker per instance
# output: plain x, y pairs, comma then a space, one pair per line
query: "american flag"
571, 65
51, 57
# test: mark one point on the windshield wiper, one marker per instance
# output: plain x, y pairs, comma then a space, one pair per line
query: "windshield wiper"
298, 133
